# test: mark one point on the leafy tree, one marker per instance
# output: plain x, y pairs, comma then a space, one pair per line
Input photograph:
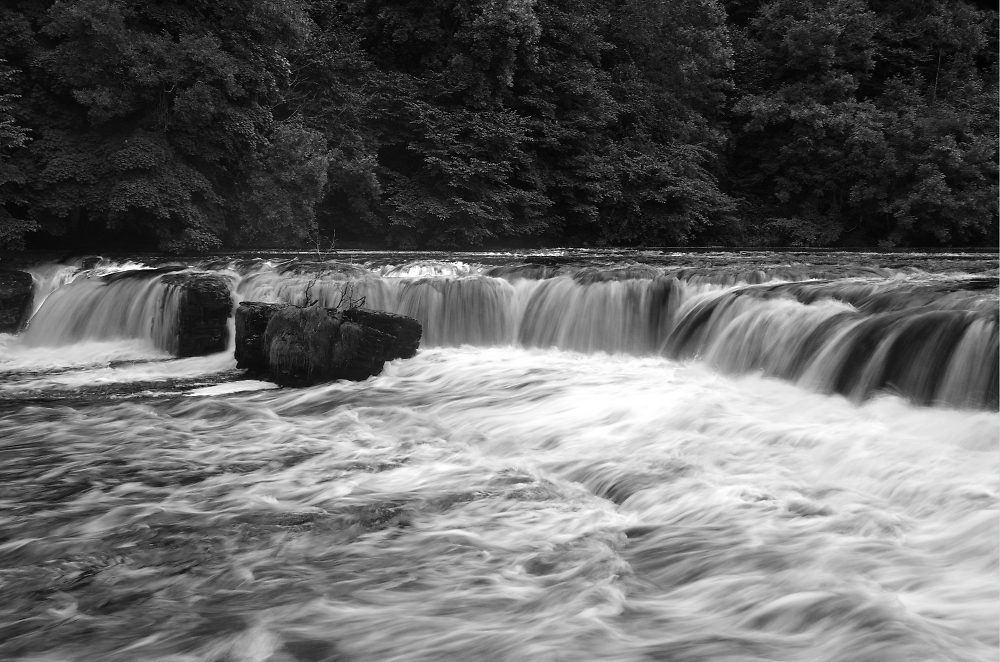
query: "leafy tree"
449, 156
671, 71
564, 96
935, 176
935, 179
150, 116
284, 188
801, 114
189, 125
12, 137
854, 127
468, 121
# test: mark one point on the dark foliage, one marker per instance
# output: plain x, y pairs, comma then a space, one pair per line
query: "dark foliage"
867, 122
190, 125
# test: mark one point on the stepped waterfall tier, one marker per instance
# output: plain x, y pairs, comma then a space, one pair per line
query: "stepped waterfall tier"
592, 455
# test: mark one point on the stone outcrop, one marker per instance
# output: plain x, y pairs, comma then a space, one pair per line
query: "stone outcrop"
16, 294
251, 323
401, 334
298, 346
203, 312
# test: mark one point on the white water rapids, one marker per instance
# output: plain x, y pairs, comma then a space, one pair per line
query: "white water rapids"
501, 501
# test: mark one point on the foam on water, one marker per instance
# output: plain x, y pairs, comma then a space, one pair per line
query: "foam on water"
16, 356
587, 460
502, 504
232, 387
27, 369
928, 337
118, 372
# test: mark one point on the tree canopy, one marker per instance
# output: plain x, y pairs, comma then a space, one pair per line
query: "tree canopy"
192, 125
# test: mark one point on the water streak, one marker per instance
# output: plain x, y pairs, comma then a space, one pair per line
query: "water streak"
929, 337
501, 504
93, 308
853, 336
587, 460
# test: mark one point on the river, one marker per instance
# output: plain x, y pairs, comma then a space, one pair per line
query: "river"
595, 455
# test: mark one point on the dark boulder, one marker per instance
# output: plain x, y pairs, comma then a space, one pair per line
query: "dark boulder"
203, 312
402, 333
16, 295
298, 346
251, 323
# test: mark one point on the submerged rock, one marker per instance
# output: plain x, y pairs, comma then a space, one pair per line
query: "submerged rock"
297, 346
16, 294
203, 312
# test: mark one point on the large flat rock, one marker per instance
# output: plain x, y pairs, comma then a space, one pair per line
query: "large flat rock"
298, 346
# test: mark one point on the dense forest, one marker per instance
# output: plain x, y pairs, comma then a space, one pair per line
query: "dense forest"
190, 125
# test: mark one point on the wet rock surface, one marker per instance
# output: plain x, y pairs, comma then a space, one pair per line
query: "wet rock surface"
251, 323
403, 332
203, 314
15, 300
297, 346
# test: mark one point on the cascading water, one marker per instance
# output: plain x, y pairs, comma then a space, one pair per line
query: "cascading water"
614, 457
856, 338
106, 308
47, 279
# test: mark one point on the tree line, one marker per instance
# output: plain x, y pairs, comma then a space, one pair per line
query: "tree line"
190, 125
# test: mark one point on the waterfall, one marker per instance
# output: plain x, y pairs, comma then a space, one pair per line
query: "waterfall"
130, 304
587, 459
628, 316
47, 278
932, 340
830, 347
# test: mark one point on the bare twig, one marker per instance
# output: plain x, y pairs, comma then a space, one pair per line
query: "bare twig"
347, 296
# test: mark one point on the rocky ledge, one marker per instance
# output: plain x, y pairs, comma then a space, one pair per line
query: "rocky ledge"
16, 294
203, 312
298, 346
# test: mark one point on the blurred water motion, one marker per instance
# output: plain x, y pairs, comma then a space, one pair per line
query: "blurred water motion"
694, 472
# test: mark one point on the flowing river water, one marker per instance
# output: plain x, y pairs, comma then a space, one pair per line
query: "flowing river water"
594, 456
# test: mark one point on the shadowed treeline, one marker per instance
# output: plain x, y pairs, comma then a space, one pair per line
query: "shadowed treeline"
187, 126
